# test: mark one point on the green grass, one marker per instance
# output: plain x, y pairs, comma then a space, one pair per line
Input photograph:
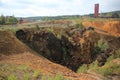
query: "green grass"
82, 69
109, 68
12, 77
24, 67
94, 66
36, 73
114, 56
117, 55
24, 72
27, 76
10, 29
103, 45
59, 76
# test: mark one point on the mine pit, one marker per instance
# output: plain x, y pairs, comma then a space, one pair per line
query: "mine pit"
70, 47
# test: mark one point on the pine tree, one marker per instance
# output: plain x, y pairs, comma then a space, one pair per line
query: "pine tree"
2, 21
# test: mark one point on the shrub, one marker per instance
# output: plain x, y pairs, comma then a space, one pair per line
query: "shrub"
79, 26
103, 45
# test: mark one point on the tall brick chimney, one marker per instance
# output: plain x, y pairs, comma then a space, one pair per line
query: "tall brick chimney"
96, 10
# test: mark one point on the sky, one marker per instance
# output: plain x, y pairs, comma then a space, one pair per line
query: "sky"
27, 8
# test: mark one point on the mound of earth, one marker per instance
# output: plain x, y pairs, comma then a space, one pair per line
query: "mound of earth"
112, 27
10, 46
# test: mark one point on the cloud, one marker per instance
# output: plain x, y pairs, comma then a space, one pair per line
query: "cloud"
55, 7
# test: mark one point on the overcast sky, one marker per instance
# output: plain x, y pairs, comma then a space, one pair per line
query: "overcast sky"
25, 8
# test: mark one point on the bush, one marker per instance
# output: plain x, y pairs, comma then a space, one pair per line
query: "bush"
103, 45
79, 26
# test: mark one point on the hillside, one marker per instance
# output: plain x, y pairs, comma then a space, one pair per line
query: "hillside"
68, 16
110, 13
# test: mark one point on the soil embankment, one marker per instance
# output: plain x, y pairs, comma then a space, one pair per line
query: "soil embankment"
111, 27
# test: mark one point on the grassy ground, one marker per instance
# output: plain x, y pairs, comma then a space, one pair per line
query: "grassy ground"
24, 72
111, 67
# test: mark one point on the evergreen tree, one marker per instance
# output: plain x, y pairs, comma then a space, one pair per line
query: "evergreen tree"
2, 20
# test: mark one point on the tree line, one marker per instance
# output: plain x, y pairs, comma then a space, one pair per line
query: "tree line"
7, 20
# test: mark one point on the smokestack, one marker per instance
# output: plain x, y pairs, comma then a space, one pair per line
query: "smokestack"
96, 10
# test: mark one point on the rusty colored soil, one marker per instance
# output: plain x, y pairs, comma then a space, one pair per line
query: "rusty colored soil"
112, 27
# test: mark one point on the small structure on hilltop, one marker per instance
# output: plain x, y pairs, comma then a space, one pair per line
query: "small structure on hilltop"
20, 21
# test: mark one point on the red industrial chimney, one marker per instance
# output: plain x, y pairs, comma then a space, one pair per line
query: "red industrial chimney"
96, 11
